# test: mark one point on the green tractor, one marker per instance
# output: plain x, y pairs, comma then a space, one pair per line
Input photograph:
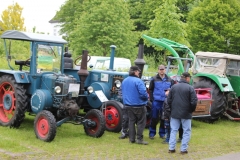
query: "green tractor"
215, 78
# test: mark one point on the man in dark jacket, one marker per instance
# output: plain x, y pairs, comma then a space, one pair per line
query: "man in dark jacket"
182, 100
157, 87
135, 98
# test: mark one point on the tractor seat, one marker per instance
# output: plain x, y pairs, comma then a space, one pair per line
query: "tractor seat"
68, 61
22, 63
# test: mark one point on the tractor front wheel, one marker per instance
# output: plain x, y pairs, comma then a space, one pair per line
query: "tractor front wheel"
13, 102
219, 100
45, 126
96, 126
113, 115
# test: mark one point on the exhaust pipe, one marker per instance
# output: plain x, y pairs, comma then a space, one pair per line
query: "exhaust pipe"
83, 72
140, 62
112, 57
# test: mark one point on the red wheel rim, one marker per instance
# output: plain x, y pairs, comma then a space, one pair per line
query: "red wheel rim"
93, 130
111, 116
7, 102
42, 127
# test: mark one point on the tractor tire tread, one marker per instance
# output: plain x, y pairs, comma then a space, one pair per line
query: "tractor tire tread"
52, 123
101, 125
21, 101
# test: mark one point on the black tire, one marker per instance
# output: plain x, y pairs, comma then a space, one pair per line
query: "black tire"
13, 101
219, 100
45, 126
96, 116
148, 116
113, 116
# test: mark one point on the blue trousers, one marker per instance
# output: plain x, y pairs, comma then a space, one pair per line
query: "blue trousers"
155, 117
167, 129
186, 125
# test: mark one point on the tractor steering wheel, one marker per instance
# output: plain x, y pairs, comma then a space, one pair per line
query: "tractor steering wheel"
75, 62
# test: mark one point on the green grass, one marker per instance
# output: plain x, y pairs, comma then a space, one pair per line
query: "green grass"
71, 142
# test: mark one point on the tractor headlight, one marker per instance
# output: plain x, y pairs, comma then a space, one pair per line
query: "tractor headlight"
90, 89
57, 89
118, 83
147, 83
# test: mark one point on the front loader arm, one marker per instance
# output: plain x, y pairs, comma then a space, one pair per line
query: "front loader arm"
170, 46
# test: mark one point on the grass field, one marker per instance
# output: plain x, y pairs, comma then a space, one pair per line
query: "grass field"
71, 142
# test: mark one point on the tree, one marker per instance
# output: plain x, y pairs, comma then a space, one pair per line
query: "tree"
184, 8
141, 11
167, 24
68, 14
11, 19
102, 24
214, 26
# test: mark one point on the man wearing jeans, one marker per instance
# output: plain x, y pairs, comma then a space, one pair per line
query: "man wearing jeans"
182, 100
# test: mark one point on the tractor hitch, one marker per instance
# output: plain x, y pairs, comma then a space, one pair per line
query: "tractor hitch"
89, 123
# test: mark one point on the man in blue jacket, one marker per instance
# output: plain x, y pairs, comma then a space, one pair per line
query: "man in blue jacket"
135, 98
182, 100
157, 87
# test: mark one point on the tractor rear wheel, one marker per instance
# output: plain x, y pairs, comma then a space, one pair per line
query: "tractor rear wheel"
113, 115
45, 126
219, 100
13, 102
97, 129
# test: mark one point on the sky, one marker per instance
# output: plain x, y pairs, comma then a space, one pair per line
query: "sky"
35, 12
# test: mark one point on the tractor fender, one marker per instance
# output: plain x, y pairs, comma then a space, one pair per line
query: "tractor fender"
19, 76
222, 82
41, 99
93, 99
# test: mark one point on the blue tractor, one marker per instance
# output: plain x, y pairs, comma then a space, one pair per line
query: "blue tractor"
108, 81
38, 85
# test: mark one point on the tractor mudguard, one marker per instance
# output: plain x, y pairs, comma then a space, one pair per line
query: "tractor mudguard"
19, 76
40, 100
222, 82
93, 99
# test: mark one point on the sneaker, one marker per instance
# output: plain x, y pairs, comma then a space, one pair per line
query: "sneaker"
123, 136
141, 142
179, 140
171, 151
184, 152
163, 137
165, 142
151, 137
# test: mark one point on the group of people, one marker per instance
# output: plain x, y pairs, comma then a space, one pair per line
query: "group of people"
172, 105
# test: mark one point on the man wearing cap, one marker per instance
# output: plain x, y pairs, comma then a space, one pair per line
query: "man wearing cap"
157, 87
135, 98
182, 100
